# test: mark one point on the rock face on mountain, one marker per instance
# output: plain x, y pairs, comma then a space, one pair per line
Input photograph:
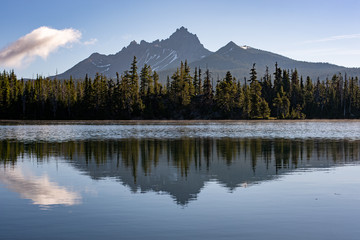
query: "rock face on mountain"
165, 56
160, 55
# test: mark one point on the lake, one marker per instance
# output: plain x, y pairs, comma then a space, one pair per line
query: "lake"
180, 180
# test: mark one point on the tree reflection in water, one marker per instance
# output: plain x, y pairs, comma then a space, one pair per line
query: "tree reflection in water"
181, 167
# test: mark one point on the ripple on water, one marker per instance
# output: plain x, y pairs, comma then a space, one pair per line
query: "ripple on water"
209, 129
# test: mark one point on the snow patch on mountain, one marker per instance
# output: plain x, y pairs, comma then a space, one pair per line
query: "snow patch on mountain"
99, 62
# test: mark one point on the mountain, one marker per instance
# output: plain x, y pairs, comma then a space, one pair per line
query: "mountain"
239, 61
160, 55
165, 56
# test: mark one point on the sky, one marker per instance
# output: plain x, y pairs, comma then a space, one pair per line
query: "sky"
49, 37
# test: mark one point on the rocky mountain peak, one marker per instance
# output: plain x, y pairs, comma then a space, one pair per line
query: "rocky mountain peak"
231, 44
133, 43
182, 34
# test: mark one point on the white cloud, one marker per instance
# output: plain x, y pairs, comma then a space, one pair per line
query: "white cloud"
40, 42
91, 41
335, 38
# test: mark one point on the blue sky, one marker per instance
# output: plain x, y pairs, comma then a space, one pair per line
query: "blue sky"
317, 31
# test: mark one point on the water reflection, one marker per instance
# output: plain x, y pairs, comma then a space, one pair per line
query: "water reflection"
179, 167
39, 189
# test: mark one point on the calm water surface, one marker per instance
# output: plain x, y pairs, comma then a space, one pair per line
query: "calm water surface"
198, 180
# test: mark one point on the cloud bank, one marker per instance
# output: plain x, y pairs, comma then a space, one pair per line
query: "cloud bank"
40, 42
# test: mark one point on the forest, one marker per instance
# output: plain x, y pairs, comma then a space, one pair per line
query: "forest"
187, 94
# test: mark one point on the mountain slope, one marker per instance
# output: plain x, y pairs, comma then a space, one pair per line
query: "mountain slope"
160, 55
239, 61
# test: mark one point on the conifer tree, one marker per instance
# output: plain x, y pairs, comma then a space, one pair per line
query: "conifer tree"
239, 99
200, 88
157, 85
196, 82
277, 79
207, 87
135, 99
146, 82
266, 84
286, 83
247, 102
207, 97
282, 104
309, 96
226, 91
258, 106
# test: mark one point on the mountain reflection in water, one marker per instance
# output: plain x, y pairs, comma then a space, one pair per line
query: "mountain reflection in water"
179, 167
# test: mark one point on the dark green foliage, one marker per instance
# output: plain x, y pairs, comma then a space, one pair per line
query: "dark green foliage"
259, 108
225, 97
146, 82
185, 96
282, 104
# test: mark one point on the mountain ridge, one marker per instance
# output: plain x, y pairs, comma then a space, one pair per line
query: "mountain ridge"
159, 54
165, 55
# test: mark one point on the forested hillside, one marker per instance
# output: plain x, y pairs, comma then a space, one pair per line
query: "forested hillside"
188, 94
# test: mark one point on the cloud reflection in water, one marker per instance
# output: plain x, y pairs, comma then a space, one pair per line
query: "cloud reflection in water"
39, 189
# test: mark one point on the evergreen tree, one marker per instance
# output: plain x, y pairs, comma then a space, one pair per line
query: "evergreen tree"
135, 99
157, 85
239, 100
207, 98
286, 83
226, 91
182, 89
196, 82
309, 97
277, 79
266, 84
189, 90
258, 106
146, 82
282, 104
247, 102
207, 87
200, 82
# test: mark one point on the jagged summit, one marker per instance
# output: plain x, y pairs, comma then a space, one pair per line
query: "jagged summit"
183, 36
182, 30
160, 55
133, 42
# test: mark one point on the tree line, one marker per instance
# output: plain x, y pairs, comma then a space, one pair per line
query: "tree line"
186, 95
